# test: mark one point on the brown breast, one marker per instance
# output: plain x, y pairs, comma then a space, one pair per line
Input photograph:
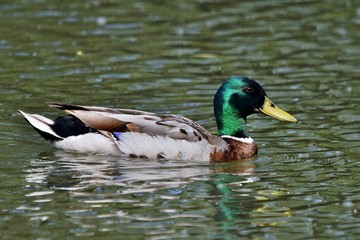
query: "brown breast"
237, 150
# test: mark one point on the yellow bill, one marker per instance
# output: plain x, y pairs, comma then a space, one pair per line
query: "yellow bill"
270, 109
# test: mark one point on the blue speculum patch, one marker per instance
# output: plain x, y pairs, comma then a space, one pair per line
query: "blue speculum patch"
117, 135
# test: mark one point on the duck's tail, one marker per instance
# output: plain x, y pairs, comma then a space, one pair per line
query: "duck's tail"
42, 125
70, 134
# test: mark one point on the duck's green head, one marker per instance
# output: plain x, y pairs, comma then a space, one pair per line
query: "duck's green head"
239, 97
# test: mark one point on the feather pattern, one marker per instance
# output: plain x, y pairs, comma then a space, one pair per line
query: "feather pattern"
133, 133
93, 143
40, 123
137, 133
127, 120
163, 147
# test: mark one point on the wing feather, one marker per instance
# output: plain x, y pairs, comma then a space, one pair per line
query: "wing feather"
123, 120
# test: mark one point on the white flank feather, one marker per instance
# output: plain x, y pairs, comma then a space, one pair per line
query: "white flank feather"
139, 144
94, 143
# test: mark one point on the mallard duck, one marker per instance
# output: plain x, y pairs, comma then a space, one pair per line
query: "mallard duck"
100, 130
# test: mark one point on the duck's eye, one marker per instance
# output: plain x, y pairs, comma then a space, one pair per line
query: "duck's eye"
249, 89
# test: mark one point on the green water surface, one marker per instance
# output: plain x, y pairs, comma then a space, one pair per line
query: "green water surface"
171, 56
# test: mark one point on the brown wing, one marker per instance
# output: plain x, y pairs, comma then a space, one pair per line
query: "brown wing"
122, 120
